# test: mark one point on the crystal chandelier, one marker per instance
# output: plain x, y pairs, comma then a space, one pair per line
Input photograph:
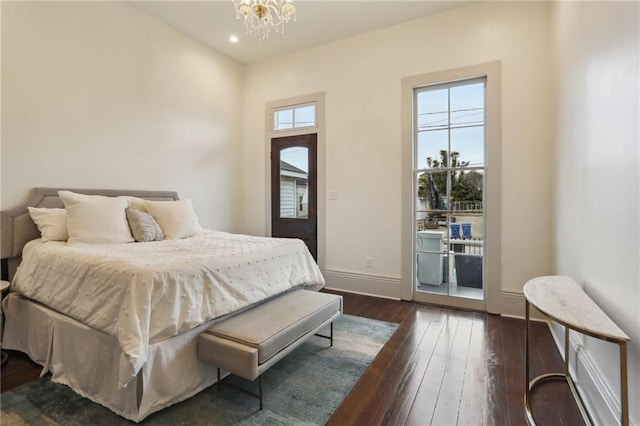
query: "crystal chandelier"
260, 16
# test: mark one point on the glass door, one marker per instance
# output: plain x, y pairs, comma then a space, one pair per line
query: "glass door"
449, 173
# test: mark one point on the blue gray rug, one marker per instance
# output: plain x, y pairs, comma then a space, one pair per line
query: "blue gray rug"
304, 388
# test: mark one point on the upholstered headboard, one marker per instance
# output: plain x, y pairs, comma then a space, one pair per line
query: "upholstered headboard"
18, 228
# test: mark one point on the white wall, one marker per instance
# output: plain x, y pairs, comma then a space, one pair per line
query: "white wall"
597, 211
99, 95
361, 77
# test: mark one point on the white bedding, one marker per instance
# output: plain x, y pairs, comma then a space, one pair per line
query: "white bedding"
142, 293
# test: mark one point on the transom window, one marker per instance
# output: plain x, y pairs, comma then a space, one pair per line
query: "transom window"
295, 117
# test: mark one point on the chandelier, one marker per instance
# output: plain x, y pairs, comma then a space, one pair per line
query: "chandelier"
260, 16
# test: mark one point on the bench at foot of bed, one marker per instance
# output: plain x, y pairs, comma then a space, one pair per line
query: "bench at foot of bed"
248, 344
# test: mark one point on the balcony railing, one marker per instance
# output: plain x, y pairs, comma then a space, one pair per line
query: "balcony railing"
474, 206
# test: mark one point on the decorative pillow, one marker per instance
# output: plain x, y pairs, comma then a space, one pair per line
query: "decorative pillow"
143, 227
52, 223
176, 218
94, 219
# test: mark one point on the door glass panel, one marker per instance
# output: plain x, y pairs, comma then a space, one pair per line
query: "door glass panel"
468, 142
294, 173
449, 175
432, 204
467, 245
467, 195
431, 145
433, 110
467, 105
430, 260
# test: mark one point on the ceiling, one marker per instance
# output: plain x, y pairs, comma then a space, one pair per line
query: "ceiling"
321, 21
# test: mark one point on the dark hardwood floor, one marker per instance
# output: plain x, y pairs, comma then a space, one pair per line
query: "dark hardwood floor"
452, 367
442, 367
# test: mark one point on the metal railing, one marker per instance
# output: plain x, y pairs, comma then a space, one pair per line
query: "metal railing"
473, 246
467, 206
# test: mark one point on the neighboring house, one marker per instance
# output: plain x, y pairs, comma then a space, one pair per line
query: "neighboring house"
293, 191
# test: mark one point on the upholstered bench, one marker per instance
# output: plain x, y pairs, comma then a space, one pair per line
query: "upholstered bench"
251, 342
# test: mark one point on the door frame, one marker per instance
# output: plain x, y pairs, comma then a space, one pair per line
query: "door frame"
493, 192
319, 130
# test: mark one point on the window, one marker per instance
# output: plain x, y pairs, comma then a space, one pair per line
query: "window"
449, 173
295, 117
462, 133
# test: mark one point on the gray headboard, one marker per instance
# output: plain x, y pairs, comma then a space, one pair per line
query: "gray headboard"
18, 228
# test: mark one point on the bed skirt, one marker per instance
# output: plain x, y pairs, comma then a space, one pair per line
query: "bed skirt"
70, 351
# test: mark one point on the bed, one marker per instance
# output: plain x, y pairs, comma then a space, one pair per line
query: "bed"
118, 322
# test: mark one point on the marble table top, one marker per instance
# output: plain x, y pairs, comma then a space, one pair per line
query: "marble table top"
562, 300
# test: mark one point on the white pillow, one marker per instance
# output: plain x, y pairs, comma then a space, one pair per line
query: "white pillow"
70, 198
176, 218
94, 219
52, 223
135, 203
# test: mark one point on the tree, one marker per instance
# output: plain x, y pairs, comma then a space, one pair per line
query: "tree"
465, 185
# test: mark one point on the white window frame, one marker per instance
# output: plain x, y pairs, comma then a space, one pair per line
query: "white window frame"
493, 251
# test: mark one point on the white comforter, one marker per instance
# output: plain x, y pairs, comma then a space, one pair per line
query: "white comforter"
141, 293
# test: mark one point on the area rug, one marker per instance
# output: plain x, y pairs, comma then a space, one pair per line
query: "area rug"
304, 388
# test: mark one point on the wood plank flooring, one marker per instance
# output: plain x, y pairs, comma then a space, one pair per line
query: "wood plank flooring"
452, 367
442, 367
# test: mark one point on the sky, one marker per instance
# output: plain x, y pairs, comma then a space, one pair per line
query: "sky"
467, 123
297, 156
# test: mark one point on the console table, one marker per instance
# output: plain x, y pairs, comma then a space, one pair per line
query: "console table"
4, 355
563, 301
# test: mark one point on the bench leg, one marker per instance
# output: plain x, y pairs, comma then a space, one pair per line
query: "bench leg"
259, 395
330, 336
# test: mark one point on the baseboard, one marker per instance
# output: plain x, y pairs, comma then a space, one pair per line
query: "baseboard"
512, 302
600, 400
513, 306
370, 285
